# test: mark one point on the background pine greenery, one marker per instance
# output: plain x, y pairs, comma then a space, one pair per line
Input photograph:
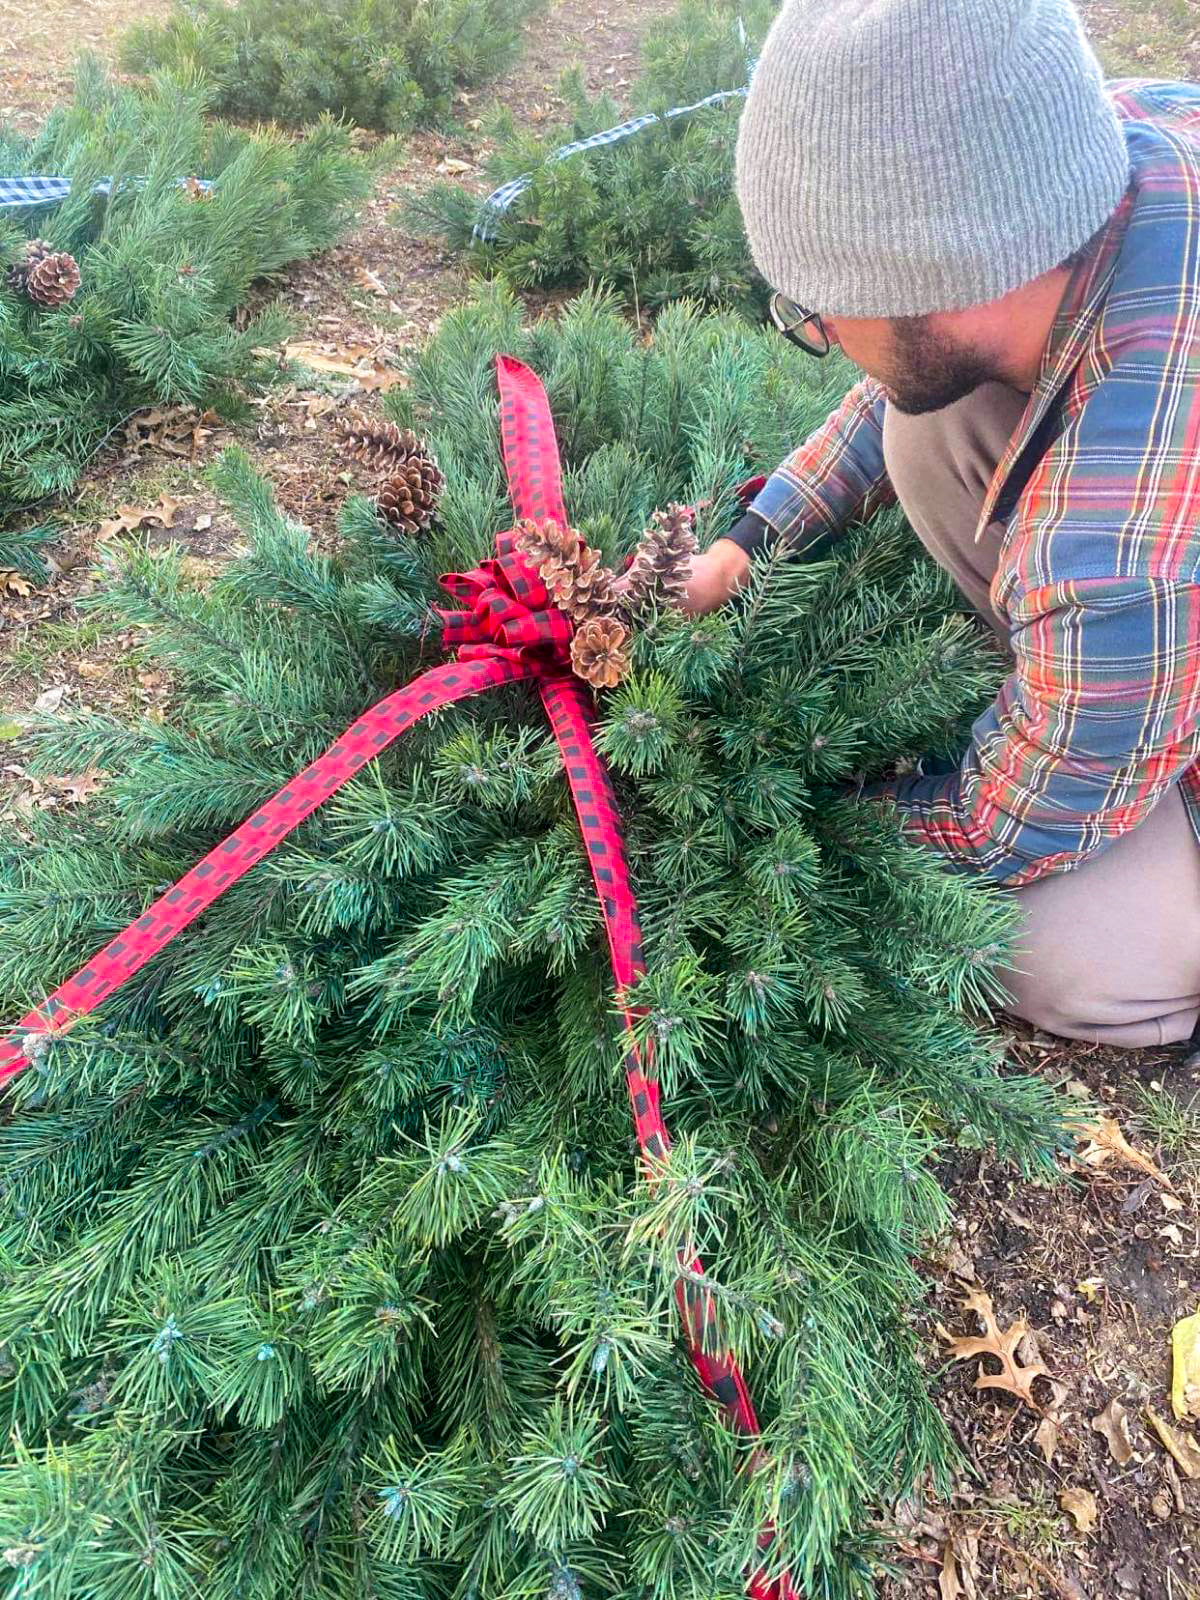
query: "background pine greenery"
381, 63
162, 273
328, 1270
654, 216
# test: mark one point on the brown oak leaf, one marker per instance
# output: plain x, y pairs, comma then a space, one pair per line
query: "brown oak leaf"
1015, 1377
77, 790
1103, 1140
1080, 1504
130, 518
1113, 1423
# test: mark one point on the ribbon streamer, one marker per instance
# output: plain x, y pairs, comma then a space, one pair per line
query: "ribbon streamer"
500, 200
510, 630
17, 193
492, 211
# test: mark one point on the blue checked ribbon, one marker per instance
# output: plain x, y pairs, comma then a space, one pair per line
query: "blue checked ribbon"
500, 200
19, 192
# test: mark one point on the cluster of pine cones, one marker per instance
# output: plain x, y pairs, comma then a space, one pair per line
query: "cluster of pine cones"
412, 480
603, 607
44, 275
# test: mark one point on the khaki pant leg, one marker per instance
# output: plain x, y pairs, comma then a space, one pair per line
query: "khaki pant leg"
1111, 951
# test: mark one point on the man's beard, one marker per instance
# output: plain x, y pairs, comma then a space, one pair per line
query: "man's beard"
929, 373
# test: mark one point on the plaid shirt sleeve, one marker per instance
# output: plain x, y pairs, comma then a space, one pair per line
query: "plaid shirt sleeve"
1102, 713
834, 478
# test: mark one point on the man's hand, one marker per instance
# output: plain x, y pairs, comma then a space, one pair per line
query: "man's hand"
717, 574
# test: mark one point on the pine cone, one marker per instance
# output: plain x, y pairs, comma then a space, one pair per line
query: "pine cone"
34, 252
662, 562
409, 494
51, 279
408, 498
382, 446
578, 581
600, 652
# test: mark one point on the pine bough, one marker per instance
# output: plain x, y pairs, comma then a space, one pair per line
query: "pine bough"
654, 216
328, 1269
163, 271
383, 64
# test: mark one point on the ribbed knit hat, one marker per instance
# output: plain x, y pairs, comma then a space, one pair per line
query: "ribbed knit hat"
904, 156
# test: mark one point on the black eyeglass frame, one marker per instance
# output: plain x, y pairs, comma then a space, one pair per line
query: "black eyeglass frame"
792, 321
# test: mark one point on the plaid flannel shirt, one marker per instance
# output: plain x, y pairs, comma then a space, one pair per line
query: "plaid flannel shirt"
1099, 492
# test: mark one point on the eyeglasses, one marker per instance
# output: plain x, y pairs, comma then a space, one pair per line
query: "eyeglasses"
799, 327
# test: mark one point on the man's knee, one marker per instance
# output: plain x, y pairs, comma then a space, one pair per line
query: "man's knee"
1095, 1006
1111, 951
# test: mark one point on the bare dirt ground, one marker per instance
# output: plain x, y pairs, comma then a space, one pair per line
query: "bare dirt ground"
1069, 1492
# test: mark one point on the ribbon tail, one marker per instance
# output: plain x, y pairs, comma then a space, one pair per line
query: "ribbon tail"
530, 448
230, 860
569, 709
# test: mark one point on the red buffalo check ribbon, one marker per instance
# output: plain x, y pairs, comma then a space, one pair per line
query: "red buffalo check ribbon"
510, 631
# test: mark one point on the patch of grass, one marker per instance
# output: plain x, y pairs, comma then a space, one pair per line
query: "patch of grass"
81, 636
143, 486
1173, 1123
1036, 1525
1134, 40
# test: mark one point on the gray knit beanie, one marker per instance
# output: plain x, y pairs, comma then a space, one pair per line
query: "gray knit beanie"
904, 156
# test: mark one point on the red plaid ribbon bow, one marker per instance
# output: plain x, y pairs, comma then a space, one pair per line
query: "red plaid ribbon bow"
510, 632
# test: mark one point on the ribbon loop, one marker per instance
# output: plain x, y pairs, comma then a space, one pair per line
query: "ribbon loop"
510, 614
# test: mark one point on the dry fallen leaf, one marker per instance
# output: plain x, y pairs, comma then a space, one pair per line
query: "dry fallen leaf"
960, 1568
75, 791
1180, 1446
357, 361
1080, 1504
371, 280
1113, 1423
1046, 1438
379, 379
1185, 1369
1015, 1378
50, 699
338, 358
1104, 1140
15, 583
129, 518
451, 164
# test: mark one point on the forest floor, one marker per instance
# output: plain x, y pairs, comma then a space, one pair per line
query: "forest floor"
1073, 1495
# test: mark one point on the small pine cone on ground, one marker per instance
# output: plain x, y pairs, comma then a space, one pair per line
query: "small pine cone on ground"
381, 446
409, 496
600, 652
663, 560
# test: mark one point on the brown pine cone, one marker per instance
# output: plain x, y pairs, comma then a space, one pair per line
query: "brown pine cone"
379, 445
578, 581
53, 280
33, 252
408, 498
600, 652
662, 562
